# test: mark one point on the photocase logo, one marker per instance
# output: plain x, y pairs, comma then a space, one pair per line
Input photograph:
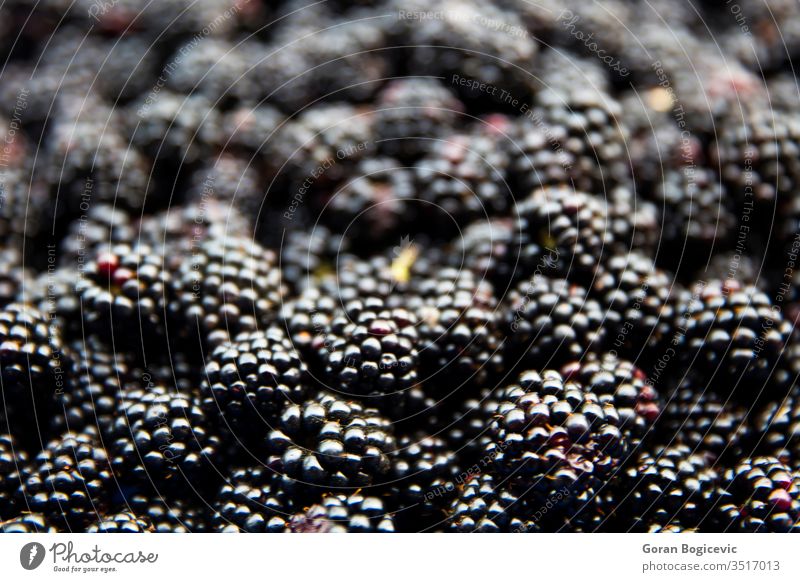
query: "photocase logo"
31, 555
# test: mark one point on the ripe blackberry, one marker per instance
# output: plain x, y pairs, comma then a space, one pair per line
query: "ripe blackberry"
348, 59
332, 442
13, 472
124, 286
104, 224
538, 158
161, 435
122, 522
372, 349
344, 514
697, 215
230, 181
250, 380
172, 127
13, 276
316, 150
641, 303
759, 494
170, 516
226, 285
486, 248
596, 138
756, 151
549, 436
460, 44
778, 426
550, 321
246, 130
375, 204
705, 422
732, 331
216, 68
252, 500
305, 255
463, 178
410, 112
100, 377
307, 321
27, 523
563, 232
71, 481
87, 157
486, 505
34, 369
622, 384
460, 340
667, 488
26, 202
423, 480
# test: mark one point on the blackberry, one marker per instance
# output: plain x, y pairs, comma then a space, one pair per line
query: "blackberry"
596, 138
161, 435
697, 215
733, 331
332, 442
305, 255
410, 112
459, 330
424, 476
624, 385
125, 286
756, 151
88, 158
759, 494
25, 208
252, 500
225, 285
53, 293
34, 369
348, 59
231, 181
668, 488
705, 422
375, 204
100, 377
344, 514
103, 224
247, 130
216, 68
550, 321
27, 523
641, 302
463, 177
461, 44
307, 321
170, 516
539, 159
172, 127
486, 248
778, 426
553, 436
13, 472
250, 380
485, 506
372, 350
13, 276
71, 481
563, 232
122, 522
318, 148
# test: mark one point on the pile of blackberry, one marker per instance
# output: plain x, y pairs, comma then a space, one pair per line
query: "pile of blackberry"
386, 267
